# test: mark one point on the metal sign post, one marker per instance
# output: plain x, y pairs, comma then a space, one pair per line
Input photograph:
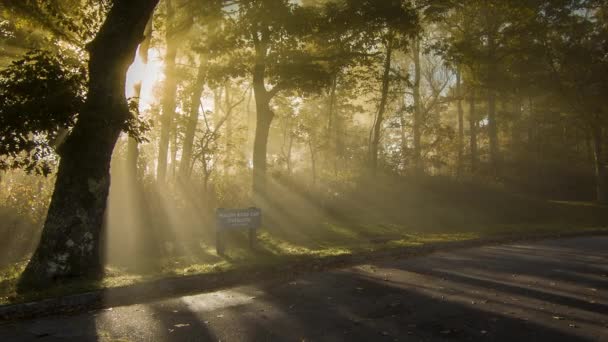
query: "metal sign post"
227, 219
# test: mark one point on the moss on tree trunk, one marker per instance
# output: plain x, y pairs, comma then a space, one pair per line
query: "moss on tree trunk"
70, 243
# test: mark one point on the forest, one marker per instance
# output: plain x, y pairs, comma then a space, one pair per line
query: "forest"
352, 124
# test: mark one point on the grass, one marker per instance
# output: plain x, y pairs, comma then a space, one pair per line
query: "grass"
396, 217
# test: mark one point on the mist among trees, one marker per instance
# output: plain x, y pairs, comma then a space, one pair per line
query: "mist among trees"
125, 124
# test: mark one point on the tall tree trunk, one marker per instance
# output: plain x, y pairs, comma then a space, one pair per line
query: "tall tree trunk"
377, 127
133, 146
228, 162
459, 94
516, 124
473, 125
264, 117
404, 147
417, 119
289, 152
600, 165
168, 100
174, 147
195, 104
492, 121
493, 132
70, 242
313, 162
332, 126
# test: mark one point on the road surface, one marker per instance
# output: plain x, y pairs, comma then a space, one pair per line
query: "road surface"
545, 291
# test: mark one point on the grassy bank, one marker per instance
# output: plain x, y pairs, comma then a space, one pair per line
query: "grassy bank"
362, 221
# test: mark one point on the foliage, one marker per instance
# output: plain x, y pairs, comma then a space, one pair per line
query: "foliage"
40, 97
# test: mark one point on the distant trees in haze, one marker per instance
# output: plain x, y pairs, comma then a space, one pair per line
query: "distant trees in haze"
323, 93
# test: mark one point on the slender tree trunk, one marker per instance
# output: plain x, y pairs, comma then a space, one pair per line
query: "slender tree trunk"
195, 104
473, 125
174, 147
133, 146
404, 148
459, 94
493, 132
417, 119
168, 100
289, 151
589, 149
377, 127
70, 243
264, 117
600, 165
492, 121
515, 128
313, 162
229, 108
332, 125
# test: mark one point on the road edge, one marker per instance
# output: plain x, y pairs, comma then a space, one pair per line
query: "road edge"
184, 285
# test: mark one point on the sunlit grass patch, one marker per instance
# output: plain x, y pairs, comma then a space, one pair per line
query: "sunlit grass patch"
309, 243
9, 277
422, 239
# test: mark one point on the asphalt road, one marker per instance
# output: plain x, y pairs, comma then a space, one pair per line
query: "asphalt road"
547, 291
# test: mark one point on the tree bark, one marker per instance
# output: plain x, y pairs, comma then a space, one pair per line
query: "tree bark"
313, 162
70, 242
195, 104
473, 122
460, 162
404, 147
264, 115
493, 132
492, 121
264, 119
600, 165
417, 119
332, 125
289, 152
168, 102
228, 162
377, 127
174, 146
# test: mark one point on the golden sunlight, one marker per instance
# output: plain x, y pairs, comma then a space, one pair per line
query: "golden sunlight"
146, 74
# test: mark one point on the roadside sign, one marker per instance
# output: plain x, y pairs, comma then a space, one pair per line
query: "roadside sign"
230, 219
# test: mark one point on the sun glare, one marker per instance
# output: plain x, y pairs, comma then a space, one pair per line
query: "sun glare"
147, 75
